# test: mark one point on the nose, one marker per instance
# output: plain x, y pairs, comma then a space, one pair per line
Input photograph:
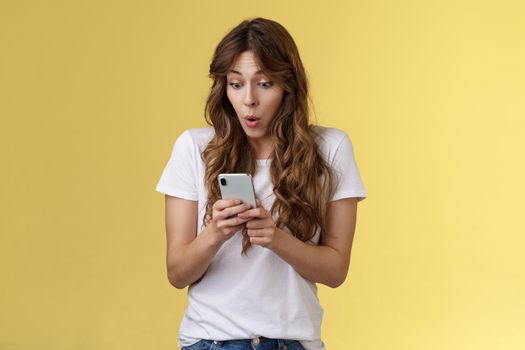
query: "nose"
250, 98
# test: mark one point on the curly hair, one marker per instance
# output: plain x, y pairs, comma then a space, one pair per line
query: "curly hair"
302, 178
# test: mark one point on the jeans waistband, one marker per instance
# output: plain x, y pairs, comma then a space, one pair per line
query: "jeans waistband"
255, 341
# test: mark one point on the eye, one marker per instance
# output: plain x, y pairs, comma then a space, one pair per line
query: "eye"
267, 84
235, 86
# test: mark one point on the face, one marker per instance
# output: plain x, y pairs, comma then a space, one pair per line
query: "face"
253, 95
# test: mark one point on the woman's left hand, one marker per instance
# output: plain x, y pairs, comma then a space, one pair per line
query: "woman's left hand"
262, 229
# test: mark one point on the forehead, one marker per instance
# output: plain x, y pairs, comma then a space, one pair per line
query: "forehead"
246, 64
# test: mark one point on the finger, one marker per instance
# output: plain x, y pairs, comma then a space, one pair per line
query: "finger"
256, 224
222, 204
239, 208
233, 211
261, 241
230, 211
256, 232
254, 213
234, 221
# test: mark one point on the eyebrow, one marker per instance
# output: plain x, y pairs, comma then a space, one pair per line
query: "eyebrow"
259, 72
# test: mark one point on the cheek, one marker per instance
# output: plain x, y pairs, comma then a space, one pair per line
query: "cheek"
233, 100
276, 101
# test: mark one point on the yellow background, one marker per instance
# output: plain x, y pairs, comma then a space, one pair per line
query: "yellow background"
94, 93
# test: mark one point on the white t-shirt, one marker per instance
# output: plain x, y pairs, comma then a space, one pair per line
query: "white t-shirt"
242, 297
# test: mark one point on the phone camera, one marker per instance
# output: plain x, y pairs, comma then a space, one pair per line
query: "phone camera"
223, 182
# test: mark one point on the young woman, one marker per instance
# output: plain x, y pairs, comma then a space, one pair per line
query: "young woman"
252, 272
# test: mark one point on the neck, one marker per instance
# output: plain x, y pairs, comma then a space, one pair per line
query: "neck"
261, 148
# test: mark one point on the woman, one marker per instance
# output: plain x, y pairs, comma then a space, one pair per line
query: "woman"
251, 272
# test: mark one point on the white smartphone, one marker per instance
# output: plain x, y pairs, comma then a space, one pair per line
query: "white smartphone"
237, 186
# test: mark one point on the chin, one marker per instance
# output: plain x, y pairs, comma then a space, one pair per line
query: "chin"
254, 134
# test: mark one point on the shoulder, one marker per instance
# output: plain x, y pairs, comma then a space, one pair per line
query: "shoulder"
328, 134
198, 135
196, 138
329, 139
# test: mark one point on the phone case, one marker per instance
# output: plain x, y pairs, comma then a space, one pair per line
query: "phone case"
237, 186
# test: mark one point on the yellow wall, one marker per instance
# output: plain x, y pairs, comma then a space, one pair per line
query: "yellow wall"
93, 94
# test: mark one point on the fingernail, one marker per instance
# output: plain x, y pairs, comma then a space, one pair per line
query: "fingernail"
237, 201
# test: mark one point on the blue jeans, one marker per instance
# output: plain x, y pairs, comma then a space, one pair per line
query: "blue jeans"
259, 343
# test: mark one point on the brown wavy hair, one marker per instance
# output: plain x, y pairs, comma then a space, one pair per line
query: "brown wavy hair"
302, 178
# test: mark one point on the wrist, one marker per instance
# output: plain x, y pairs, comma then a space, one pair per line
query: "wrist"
279, 240
211, 235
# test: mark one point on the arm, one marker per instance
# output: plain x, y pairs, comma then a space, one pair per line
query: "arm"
189, 255
326, 263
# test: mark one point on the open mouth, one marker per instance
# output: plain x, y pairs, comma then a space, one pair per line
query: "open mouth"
251, 121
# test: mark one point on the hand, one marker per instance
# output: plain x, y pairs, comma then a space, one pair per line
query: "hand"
262, 229
225, 221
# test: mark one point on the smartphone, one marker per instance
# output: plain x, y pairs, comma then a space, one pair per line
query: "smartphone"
237, 186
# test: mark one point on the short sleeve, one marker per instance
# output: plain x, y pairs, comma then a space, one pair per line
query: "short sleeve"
178, 178
348, 180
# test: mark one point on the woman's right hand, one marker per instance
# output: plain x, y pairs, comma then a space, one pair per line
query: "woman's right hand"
225, 222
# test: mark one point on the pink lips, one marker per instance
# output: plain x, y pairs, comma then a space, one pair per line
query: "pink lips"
251, 121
